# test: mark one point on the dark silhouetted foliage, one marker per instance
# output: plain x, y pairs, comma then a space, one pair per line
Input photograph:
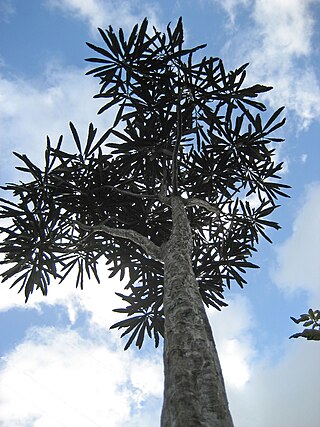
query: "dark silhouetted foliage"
181, 125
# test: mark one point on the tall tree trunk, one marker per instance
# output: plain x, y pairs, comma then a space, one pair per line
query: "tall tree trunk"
194, 391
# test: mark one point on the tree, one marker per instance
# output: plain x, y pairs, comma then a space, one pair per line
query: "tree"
312, 318
164, 196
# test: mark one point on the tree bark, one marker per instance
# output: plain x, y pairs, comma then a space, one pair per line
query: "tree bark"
194, 391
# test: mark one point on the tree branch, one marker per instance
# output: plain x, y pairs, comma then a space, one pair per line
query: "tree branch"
199, 202
147, 245
130, 193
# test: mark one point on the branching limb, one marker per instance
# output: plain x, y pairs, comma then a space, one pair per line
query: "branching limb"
130, 193
199, 202
147, 245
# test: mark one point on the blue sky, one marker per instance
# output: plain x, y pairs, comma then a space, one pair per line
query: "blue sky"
60, 364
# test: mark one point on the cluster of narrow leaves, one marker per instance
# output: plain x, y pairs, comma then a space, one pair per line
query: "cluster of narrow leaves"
180, 127
311, 323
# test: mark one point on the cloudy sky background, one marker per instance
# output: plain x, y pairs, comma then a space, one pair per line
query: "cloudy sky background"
60, 364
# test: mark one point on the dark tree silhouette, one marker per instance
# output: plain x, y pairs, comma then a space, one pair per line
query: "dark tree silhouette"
163, 196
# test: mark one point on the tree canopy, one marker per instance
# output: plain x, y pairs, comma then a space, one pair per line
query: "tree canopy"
182, 125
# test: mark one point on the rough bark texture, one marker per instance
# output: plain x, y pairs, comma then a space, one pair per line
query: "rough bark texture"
194, 393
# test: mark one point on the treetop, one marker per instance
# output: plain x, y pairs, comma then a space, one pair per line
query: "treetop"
182, 127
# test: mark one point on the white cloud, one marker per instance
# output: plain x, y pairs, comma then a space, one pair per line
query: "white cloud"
298, 257
101, 13
279, 45
281, 40
281, 394
287, 25
56, 377
283, 37
231, 329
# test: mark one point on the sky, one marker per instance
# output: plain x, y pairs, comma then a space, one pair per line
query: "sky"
60, 364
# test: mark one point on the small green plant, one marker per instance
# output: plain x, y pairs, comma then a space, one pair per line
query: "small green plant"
311, 321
